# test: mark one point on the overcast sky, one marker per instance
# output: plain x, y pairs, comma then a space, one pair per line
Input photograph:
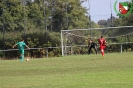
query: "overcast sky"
101, 9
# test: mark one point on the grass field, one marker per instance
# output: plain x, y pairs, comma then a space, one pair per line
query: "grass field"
79, 71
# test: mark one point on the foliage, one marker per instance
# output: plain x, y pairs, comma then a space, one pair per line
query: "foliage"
53, 15
107, 23
33, 40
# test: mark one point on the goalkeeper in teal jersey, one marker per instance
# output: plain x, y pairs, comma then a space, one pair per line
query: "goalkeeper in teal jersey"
21, 45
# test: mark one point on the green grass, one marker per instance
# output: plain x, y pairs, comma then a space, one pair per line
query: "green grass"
79, 71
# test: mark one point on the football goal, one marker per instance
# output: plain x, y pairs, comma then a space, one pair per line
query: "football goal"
76, 41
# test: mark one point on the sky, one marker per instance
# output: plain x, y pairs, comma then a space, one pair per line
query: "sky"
102, 9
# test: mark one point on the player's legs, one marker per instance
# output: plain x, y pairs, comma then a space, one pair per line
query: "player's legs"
21, 55
95, 48
102, 50
89, 50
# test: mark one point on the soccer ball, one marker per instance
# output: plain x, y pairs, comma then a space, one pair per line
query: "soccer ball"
27, 59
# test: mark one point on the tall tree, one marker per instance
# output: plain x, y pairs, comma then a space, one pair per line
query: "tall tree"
12, 15
53, 15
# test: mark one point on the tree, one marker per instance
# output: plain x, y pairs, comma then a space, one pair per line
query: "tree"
102, 22
12, 15
107, 23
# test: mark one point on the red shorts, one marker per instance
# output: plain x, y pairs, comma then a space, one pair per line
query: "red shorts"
102, 47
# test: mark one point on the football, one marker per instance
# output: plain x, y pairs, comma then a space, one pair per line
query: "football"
27, 59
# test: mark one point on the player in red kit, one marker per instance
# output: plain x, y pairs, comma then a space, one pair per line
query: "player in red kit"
102, 43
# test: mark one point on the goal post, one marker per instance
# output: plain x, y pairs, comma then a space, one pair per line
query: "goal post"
79, 37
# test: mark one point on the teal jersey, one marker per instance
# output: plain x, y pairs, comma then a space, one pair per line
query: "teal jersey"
21, 45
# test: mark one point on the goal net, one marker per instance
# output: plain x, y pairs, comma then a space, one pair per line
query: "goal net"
76, 41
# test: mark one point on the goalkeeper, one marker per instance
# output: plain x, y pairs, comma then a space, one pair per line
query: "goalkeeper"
91, 45
21, 45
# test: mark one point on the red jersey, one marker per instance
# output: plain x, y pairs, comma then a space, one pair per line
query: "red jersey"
102, 42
